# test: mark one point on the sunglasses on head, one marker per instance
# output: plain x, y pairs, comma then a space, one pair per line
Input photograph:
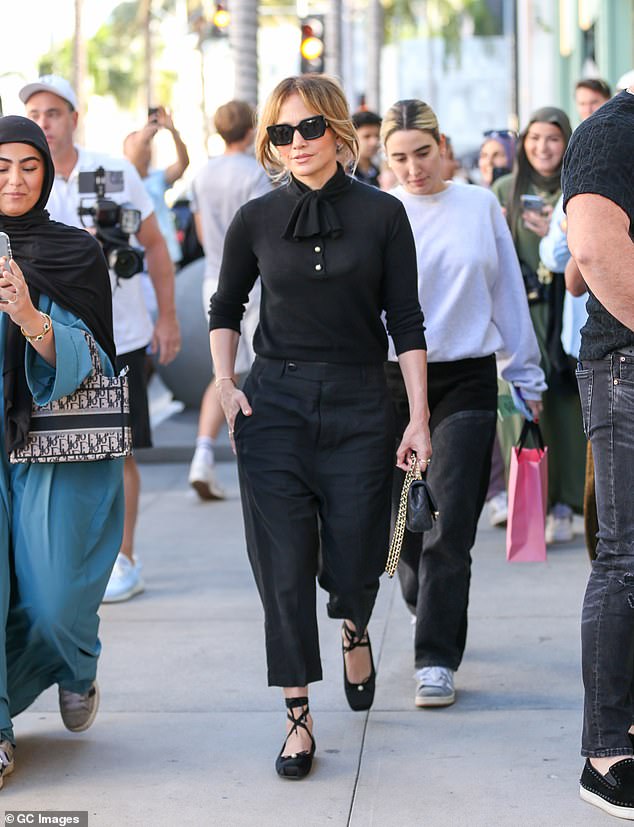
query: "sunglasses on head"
281, 134
500, 133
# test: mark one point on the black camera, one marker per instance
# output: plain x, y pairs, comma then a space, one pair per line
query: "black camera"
114, 223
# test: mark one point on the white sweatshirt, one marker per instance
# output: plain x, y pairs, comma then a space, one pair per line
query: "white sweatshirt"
470, 285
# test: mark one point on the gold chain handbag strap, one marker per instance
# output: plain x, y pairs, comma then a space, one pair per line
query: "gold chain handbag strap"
399, 527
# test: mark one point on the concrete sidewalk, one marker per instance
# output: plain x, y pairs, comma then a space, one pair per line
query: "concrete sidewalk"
188, 731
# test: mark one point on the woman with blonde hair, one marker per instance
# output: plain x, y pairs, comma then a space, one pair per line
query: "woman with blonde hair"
313, 426
471, 288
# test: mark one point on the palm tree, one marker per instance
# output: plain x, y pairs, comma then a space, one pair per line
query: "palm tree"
79, 62
373, 62
243, 38
145, 24
332, 41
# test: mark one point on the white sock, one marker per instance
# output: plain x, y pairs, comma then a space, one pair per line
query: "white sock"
205, 449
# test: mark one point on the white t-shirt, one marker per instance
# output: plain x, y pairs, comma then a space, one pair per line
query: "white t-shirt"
221, 187
469, 283
132, 323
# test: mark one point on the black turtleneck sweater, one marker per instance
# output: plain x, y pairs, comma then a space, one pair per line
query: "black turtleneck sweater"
330, 261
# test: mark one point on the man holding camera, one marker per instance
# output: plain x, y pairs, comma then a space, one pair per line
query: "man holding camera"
51, 103
598, 186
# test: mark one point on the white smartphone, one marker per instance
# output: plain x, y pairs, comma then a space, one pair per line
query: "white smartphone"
5, 246
5, 250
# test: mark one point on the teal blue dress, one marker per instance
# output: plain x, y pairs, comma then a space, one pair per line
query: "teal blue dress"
60, 531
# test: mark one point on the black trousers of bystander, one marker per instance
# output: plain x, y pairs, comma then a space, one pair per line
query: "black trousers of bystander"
435, 567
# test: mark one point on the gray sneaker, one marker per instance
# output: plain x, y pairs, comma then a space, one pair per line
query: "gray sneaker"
6, 760
79, 710
434, 686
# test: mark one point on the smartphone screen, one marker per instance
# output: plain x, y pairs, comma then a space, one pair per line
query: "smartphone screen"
5, 250
5, 246
532, 202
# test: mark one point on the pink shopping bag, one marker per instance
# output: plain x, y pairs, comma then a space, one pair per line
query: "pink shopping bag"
528, 496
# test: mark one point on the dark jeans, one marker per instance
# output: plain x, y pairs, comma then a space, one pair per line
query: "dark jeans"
435, 567
315, 464
606, 388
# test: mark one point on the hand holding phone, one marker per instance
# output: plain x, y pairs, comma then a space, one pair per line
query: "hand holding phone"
538, 221
5, 257
5, 248
533, 203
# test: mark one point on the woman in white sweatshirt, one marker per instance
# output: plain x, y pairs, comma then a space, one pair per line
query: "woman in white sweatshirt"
473, 297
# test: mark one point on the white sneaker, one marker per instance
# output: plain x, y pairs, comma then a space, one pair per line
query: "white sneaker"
498, 509
125, 581
202, 477
434, 686
559, 527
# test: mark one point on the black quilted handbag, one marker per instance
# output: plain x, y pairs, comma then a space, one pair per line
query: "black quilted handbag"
417, 512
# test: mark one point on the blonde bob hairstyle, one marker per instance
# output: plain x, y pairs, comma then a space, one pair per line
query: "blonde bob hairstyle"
319, 93
410, 114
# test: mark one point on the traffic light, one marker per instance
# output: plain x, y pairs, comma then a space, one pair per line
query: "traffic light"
218, 17
312, 44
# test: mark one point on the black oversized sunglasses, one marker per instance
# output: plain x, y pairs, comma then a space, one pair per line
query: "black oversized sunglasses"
281, 134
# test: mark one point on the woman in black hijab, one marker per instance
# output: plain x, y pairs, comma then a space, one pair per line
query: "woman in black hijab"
60, 523
537, 172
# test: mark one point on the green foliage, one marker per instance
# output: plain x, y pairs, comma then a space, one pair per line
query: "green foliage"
57, 61
401, 19
115, 56
439, 18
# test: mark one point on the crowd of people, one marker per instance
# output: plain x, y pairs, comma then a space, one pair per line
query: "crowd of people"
354, 334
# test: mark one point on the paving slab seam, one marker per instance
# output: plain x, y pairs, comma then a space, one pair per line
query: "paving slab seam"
367, 715
539, 616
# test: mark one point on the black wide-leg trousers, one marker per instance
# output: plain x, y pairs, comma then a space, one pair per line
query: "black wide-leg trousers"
315, 463
435, 567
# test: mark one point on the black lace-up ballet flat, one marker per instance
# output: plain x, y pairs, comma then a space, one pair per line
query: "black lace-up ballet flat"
298, 764
360, 695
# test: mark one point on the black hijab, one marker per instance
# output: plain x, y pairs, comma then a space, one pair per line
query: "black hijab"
65, 263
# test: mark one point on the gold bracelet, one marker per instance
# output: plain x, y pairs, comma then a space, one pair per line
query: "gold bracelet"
223, 379
39, 336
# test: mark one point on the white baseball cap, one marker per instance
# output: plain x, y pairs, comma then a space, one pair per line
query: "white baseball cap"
626, 80
50, 83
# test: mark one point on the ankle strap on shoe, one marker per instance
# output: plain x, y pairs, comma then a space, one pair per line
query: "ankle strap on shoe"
293, 703
300, 721
352, 641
